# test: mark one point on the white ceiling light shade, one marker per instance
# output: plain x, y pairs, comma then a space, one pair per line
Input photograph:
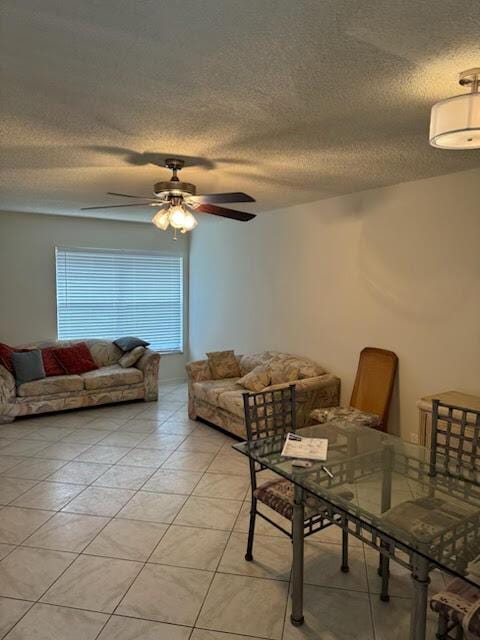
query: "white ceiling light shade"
455, 122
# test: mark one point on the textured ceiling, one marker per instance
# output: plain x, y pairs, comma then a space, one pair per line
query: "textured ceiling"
288, 100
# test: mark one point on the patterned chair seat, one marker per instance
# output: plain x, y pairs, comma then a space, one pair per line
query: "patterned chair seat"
347, 414
278, 495
460, 602
427, 518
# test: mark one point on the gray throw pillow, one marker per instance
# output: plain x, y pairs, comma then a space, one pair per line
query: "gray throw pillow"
28, 366
129, 342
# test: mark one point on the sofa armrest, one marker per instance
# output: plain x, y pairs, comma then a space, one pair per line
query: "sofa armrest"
316, 393
198, 371
149, 363
7, 386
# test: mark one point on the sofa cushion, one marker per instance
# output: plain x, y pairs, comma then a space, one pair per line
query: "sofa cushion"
282, 372
223, 364
257, 379
211, 390
113, 376
232, 401
104, 352
252, 360
28, 366
76, 359
49, 386
131, 357
306, 368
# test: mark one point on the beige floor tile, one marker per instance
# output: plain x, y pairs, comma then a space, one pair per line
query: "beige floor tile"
5, 549
17, 524
272, 557
122, 439
124, 477
93, 583
230, 464
173, 481
10, 612
51, 434
79, 472
67, 532
205, 634
62, 451
108, 423
154, 507
103, 454
392, 619
27, 573
140, 426
250, 606
158, 413
201, 445
13, 431
127, 539
333, 535
121, 628
162, 441
24, 447
85, 436
188, 461
35, 469
99, 501
322, 567
48, 495
7, 463
191, 547
219, 485
145, 457
332, 614
12, 488
179, 428
209, 512
166, 594
47, 622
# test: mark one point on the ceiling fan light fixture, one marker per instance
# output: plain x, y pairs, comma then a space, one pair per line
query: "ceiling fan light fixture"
455, 122
189, 222
160, 220
176, 215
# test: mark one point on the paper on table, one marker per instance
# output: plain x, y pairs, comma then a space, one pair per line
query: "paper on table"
308, 448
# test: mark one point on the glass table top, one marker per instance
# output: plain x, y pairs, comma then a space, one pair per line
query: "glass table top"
389, 484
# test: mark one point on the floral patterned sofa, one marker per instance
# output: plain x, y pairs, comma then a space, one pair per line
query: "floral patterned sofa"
221, 401
109, 383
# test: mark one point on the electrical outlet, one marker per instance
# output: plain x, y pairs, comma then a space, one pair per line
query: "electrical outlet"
414, 438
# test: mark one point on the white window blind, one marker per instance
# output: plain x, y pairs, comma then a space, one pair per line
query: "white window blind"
109, 294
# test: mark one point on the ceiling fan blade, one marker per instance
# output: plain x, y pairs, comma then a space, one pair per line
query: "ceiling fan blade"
126, 195
241, 216
206, 198
115, 206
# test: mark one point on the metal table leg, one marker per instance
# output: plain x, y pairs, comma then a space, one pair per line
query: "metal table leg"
418, 619
297, 564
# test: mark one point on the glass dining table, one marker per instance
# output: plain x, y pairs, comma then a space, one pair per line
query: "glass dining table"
387, 493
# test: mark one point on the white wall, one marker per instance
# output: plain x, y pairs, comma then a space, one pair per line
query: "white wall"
397, 267
27, 270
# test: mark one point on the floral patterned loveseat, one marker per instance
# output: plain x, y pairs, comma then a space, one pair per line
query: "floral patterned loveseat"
109, 383
221, 401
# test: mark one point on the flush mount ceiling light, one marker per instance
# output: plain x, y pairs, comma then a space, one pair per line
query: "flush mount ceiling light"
455, 122
177, 201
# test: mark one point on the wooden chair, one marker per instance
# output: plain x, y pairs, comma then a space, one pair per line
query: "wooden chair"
273, 413
372, 392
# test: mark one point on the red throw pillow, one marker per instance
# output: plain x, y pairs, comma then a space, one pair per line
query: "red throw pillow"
51, 365
76, 359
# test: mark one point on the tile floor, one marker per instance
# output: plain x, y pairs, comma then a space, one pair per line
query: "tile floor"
129, 522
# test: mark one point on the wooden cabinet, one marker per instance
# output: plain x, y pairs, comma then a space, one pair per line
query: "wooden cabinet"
449, 397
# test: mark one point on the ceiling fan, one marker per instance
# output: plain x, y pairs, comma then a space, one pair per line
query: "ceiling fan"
178, 200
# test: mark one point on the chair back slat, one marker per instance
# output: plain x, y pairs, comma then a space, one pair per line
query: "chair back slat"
455, 433
373, 388
269, 413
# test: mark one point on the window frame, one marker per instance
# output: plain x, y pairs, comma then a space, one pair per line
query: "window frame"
144, 252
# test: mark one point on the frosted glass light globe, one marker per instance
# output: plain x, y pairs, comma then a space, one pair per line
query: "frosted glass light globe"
177, 216
160, 220
189, 222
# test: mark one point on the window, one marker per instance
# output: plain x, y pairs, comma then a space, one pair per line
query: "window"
108, 294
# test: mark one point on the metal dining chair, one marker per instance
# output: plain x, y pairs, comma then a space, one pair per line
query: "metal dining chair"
454, 455
267, 414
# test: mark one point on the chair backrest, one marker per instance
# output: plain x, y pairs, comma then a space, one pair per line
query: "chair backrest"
455, 441
269, 413
373, 388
